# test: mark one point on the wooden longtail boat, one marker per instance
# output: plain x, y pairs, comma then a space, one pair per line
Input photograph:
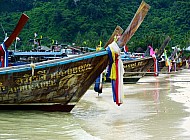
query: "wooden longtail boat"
54, 85
178, 63
139, 67
162, 64
148, 62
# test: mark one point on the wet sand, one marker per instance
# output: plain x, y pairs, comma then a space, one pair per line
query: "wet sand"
155, 108
183, 96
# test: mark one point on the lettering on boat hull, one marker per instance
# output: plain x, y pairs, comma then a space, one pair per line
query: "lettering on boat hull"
61, 84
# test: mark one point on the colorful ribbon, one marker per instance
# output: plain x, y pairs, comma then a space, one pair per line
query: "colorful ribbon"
115, 72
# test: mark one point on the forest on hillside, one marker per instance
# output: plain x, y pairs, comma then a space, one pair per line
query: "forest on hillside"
86, 22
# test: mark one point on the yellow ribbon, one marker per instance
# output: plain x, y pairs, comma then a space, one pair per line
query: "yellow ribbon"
113, 68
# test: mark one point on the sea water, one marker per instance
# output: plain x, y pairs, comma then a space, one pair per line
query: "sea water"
155, 108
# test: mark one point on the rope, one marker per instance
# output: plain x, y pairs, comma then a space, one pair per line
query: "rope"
32, 65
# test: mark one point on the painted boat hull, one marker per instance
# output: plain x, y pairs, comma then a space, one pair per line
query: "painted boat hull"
57, 85
142, 68
134, 69
137, 67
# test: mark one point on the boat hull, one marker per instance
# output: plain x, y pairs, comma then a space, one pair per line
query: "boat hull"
134, 69
57, 84
137, 67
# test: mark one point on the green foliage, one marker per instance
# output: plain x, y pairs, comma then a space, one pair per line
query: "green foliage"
90, 21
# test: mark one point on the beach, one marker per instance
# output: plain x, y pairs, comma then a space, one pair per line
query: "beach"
155, 108
183, 96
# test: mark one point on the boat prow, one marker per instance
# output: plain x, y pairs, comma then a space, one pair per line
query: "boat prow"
54, 85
